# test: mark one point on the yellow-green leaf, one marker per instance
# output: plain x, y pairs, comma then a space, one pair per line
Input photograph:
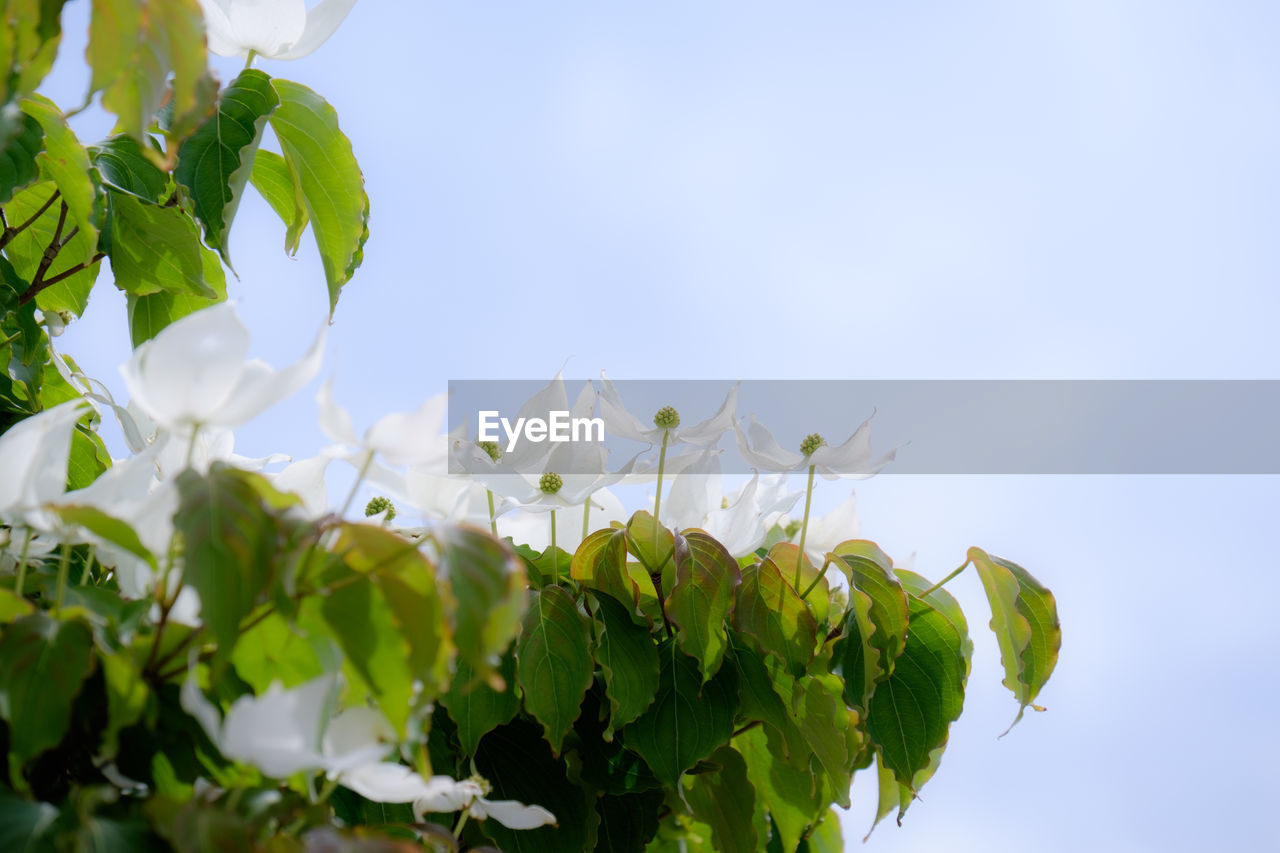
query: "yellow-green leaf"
1024, 617
320, 155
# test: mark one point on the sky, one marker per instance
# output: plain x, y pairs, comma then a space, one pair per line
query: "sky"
1082, 189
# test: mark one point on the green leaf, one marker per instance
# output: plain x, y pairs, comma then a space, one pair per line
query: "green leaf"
871, 572
759, 701
825, 837
628, 661
28, 44
702, 598
627, 821
654, 546
795, 797
390, 623
65, 162
43, 662
151, 312
772, 614
124, 167
230, 542
88, 459
332, 186
289, 651
21, 141
889, 796
853, 658
127, 694
133, 47
911, 710
24, 824
725, 800
600, 563
1024, 617
478, 707
275, 180
553, 658
215, 162
488, 583
27, 249
105, 527
12, 606
517, 761
155, 249
688, 719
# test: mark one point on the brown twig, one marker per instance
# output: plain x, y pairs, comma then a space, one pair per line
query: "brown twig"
9, 233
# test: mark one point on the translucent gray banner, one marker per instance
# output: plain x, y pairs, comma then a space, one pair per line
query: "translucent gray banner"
935, 427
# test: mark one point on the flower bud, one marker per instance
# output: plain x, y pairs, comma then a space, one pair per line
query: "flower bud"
550, 483
667, 418
377, 505
811, 443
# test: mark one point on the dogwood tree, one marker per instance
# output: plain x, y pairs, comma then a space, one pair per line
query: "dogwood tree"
203, 651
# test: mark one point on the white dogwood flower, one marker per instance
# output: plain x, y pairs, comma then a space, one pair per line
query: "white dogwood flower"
852, 459
272, 29
195, 373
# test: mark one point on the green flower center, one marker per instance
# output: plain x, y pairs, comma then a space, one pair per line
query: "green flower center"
377, 505
550, 483
491, 448
811, 443
667, 418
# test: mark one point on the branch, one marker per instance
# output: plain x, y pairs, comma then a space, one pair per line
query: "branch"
9, 233
39, 283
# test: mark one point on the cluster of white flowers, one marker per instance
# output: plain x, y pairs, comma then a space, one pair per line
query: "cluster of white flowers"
193, 384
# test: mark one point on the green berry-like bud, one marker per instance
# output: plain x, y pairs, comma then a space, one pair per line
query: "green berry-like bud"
667, 418
377, 505
550, 483
811, 443
491, 448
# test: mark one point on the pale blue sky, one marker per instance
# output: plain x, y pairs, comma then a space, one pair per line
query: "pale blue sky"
1073, 189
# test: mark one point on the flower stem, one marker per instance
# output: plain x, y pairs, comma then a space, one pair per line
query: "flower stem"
462, 821
944, 580
64, 565
825, 564
88, 566
22, 565
586, 515
657, 501
555, 558
804, 526
248, 62
493, 519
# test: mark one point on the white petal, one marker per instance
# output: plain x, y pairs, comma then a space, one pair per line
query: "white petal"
357, 737
695, 492
322, 21
33, 456
853, 458
279, 731
268, 27
404, 438
194, 703
306, 480
188, 371
335, 422
445, 795
709, 431
386, 782
260, 386
217, 26
617, 420
838, 525
763, 451
512, 814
